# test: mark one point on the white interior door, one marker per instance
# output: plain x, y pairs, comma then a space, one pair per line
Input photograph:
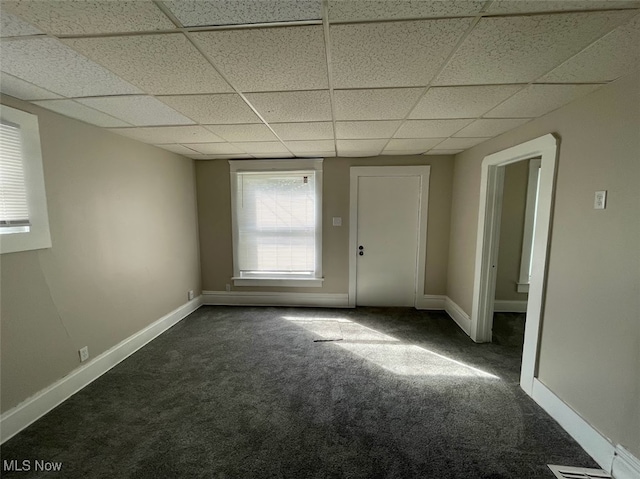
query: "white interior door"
388, 228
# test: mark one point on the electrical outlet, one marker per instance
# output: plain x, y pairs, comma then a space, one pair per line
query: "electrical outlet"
228, 287
84, 354
191, 294
600, 201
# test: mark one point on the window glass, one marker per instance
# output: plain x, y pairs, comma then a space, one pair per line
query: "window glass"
24, 219
14, 211
277, 220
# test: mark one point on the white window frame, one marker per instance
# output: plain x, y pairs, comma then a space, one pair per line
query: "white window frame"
529, 224
238, 166
38, 236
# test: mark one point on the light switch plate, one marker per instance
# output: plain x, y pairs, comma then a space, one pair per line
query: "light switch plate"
337, 221
600, 201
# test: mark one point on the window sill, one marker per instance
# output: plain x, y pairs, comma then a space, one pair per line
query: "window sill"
522, 287
288, 283
37, 238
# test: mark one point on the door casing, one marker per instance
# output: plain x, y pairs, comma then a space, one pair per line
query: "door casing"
421, 171
544, 147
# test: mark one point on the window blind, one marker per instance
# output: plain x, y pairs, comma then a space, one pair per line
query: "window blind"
14, 211
276, 221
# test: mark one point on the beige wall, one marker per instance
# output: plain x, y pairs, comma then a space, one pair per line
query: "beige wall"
214, 217
514, 201
125, 252
590, 344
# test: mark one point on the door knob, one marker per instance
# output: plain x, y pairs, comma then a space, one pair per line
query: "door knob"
361, 253
360, 247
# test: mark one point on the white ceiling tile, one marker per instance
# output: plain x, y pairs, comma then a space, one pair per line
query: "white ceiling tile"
430, 128
511, 6
359, 153
443, 152
421, 145
239, 12
261, 147
392, 54
213, 109
49, 64
158, 64
316, 154
293, 106
519, 49
461, 101
14, 86
487, 128
460, 143
361, 10
180, 149
536, 100
380, 104
319, 130
13, 26
81, 17
75, 110
215, 148
614, 55
137, 110
310, 146
269, 59
360, 147
170, 134
366, 129
251, 132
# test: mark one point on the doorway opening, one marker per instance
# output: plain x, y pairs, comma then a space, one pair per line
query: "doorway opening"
491, 196
517, 223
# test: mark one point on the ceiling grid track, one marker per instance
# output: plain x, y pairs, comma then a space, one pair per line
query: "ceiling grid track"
105, 83
186, 33
460, 41
327, 49
535, 82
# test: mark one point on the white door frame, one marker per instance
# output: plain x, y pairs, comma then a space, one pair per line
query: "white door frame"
421, 171
544, 147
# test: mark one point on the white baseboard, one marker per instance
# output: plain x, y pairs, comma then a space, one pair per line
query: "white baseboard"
27, 412
592, 441
458, 315
250, 298
501, 306
431, 301
625, 465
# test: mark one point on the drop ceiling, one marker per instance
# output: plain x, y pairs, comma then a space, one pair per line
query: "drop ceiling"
301, 78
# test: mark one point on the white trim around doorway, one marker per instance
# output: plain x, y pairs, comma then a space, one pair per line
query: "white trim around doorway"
545, 148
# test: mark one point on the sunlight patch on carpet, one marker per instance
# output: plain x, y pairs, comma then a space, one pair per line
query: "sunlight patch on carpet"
386, 351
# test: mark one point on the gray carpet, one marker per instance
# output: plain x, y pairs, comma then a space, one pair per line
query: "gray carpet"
235, 392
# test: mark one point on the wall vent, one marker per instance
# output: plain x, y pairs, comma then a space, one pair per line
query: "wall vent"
567, 472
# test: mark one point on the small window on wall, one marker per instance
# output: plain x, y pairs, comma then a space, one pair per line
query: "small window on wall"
531, 209
24, 222
277, 222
